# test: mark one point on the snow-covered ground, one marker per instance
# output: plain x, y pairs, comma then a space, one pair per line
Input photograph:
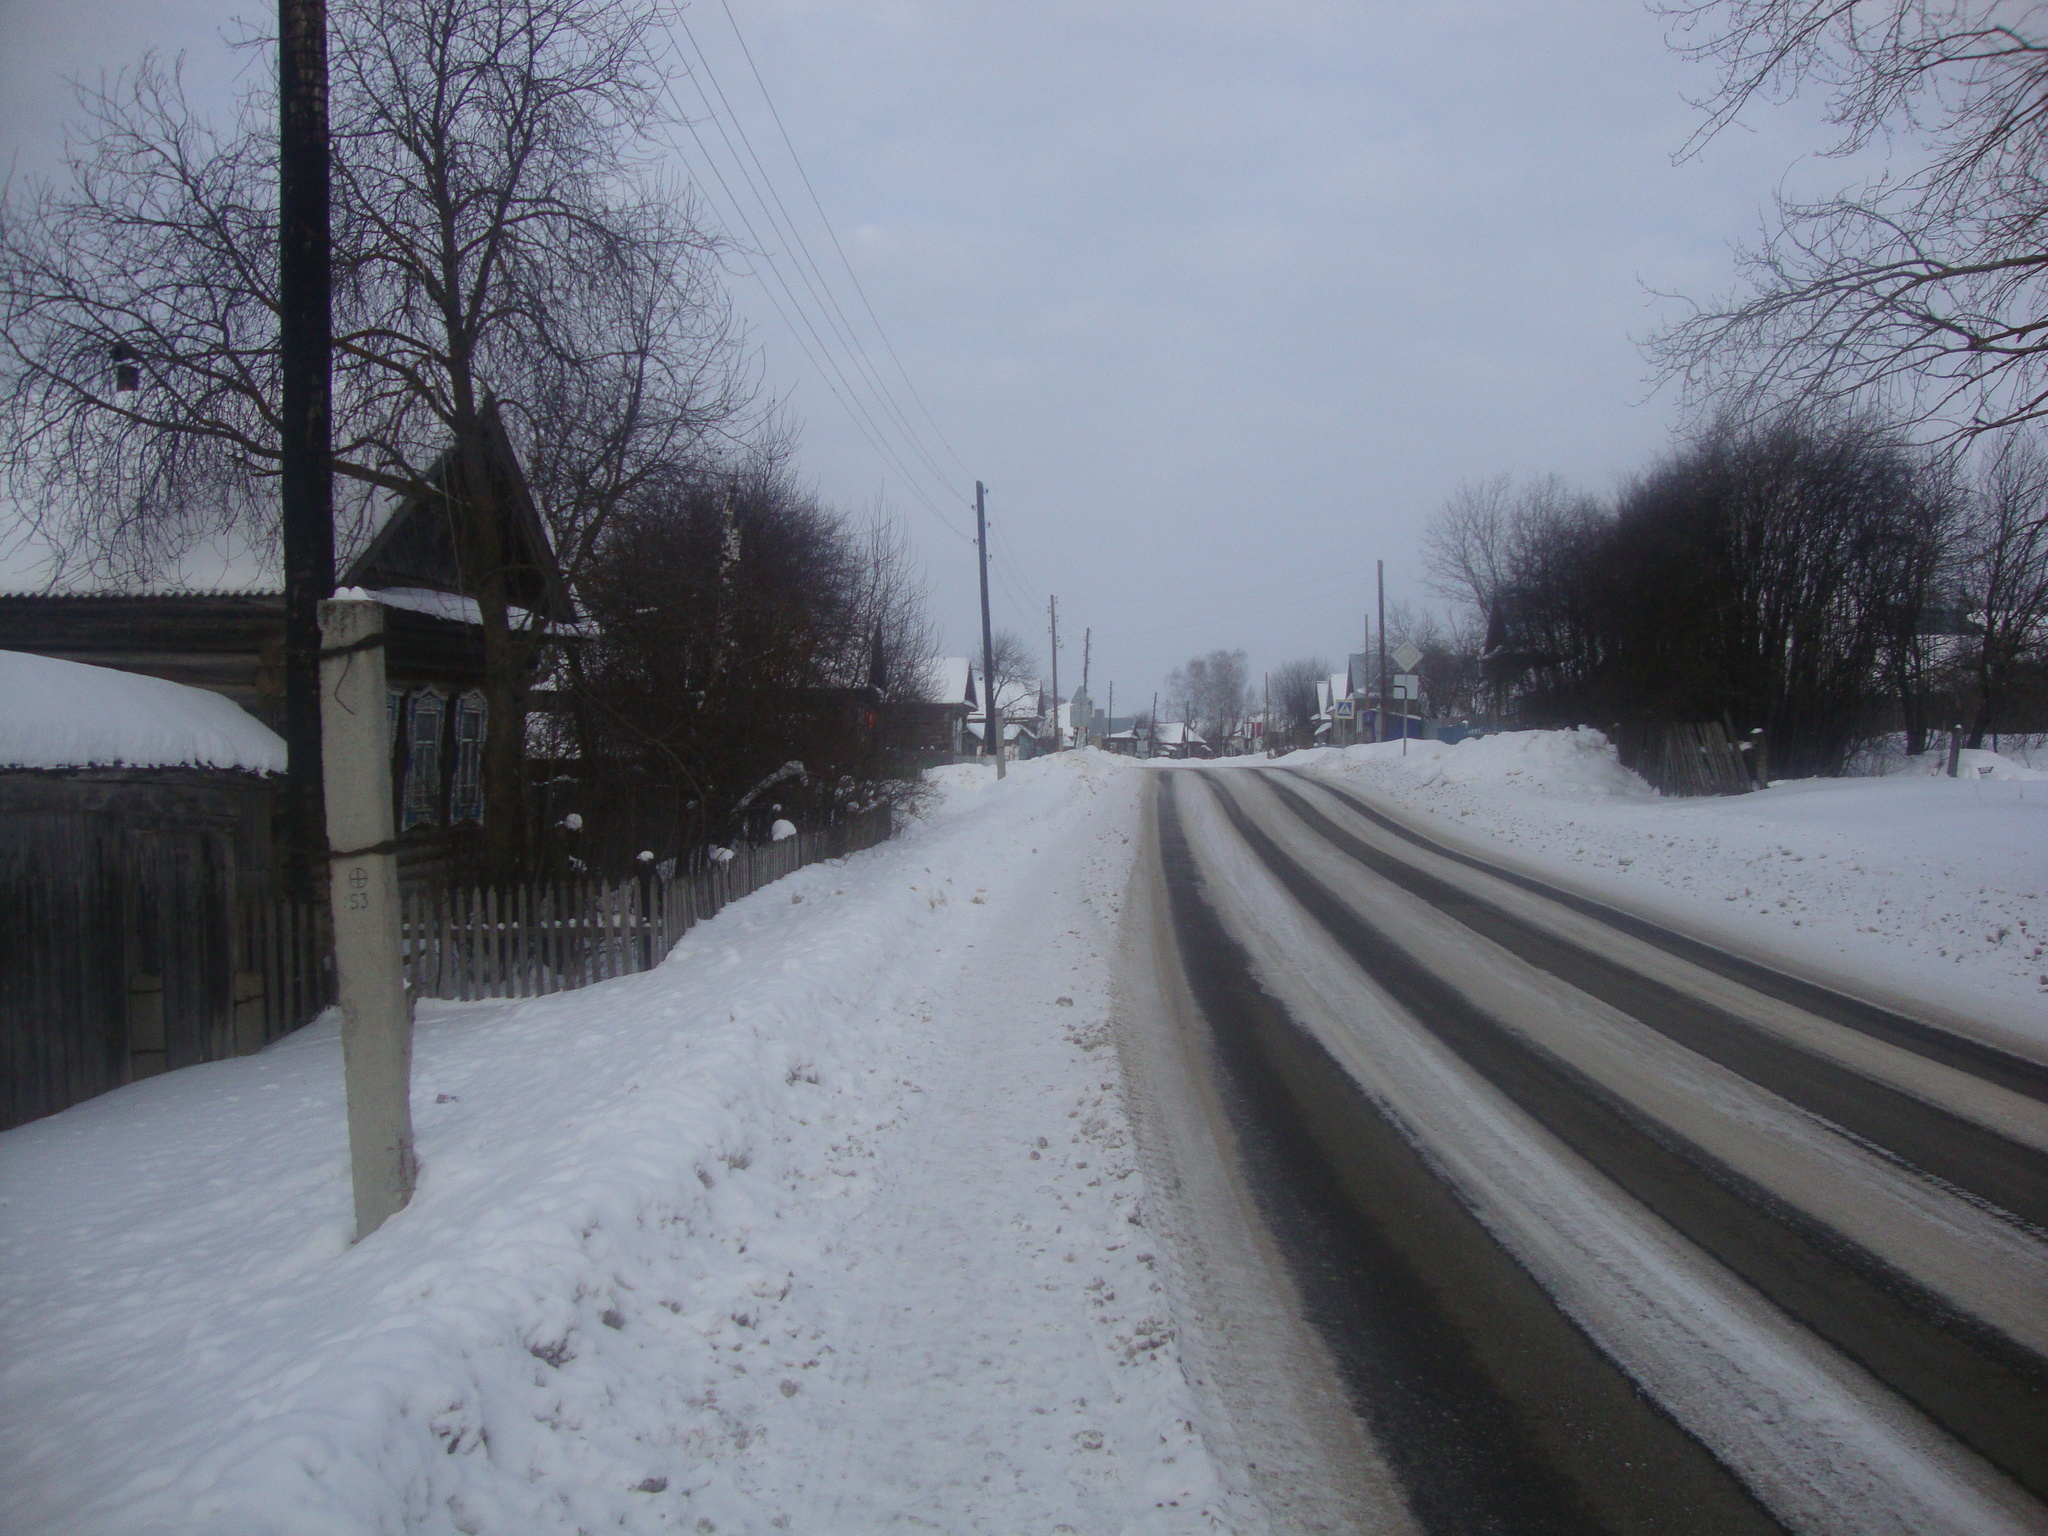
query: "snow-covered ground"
829, 1224
832, 1222
1931, 886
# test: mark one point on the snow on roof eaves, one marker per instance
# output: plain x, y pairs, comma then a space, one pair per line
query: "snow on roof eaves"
66, 714
150, 594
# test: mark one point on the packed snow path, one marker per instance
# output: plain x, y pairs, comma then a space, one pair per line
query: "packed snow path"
829, 1224
1602, 1229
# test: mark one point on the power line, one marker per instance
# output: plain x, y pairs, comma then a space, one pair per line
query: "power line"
823, 357
786, 226
858, 287
862, 420
1226, 618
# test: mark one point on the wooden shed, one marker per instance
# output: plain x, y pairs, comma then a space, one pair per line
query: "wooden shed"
134, 873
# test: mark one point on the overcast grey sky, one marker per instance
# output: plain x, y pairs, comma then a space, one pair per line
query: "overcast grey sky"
1221, 300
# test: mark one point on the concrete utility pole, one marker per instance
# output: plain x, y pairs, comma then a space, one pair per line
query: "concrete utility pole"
991, 728
1266, 713
305, 389
1052, 609
1109, 716
376, 1014
1379, 716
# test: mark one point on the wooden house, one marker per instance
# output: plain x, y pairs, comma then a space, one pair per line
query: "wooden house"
134, 863
229, 639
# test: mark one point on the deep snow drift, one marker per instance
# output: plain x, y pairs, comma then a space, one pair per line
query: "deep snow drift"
1935, 886
829, 1224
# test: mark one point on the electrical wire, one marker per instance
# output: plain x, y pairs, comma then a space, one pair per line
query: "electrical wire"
889, 420
1223, 618
854, 276
808, 271
862, 420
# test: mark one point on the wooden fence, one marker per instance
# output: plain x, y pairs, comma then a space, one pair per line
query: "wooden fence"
529, 940
125, 964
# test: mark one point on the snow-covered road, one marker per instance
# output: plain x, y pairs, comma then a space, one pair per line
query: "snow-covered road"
1808, 1230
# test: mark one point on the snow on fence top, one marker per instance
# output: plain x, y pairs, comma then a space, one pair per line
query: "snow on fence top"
65, 714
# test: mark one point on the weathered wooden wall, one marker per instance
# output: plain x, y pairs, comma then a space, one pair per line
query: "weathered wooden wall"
126, 903
1691, 759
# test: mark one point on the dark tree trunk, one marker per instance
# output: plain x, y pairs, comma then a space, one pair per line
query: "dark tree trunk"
507, 654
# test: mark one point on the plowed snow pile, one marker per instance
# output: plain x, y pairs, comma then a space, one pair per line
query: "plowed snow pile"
1937, 886
828, 1224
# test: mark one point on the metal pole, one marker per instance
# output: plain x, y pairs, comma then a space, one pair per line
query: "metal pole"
991, 729
1087, 652
305, 483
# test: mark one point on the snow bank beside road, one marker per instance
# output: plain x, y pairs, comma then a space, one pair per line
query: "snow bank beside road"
830, 1223
1935, 886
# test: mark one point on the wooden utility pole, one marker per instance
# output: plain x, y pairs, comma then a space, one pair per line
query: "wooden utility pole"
1152, 730
1052, 610
305, 427
1266, 713
1109, 715
1087, 641
1379, 716
991, 727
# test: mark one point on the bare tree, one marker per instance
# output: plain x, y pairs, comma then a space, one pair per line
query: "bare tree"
2005, 577
1014, 659
740, 624
1486, 533
1212, 693
1294, 699
497, 253
1924, 290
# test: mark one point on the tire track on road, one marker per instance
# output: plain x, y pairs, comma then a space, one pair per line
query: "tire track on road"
1495, 1410
2019, 1074
1964, 1154
1987, 1393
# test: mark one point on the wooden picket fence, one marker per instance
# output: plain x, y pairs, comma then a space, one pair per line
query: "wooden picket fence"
553, 936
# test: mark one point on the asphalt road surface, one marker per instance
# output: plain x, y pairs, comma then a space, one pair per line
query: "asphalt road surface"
1503, 1211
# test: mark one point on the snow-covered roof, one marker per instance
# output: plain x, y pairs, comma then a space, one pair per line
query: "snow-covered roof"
948, 679
1012, 730
65, 714
1018, 696
463, 610
1174, 733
